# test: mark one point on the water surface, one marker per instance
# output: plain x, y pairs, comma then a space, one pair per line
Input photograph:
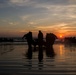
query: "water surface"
13, 60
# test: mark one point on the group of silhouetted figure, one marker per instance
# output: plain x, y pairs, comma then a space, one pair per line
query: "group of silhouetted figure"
47, 43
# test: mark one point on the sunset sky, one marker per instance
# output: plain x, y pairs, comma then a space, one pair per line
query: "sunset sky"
17, 17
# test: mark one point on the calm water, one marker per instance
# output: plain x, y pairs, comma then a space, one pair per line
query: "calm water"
13, 61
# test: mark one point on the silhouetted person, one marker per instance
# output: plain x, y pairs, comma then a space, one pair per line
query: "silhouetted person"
40, 38
29, 39
40, 44
50, 39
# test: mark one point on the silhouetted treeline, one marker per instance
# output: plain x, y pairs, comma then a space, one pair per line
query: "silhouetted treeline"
70, 39
11, 39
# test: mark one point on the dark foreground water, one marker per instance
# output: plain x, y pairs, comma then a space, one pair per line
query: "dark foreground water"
13, 61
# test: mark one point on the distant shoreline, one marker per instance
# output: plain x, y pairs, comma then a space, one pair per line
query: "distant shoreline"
13, 43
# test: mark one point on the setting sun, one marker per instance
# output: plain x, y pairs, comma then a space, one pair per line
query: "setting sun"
60, 36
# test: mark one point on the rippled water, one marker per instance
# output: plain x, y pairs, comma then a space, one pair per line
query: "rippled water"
13, 61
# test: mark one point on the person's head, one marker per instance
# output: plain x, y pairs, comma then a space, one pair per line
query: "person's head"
30, 32
39, 31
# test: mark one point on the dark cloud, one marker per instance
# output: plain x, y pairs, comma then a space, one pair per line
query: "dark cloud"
53, 2
4, 1
33, 2
38, 12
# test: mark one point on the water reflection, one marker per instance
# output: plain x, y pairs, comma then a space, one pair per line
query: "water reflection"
6, 48
28, 65
61, 48
40, 54
29, 53
40, 65
71, 47
64, 60
50, 52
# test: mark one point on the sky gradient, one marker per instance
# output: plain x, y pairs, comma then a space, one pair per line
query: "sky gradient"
17, 17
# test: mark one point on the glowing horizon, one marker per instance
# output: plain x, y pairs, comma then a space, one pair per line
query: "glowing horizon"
17, 17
